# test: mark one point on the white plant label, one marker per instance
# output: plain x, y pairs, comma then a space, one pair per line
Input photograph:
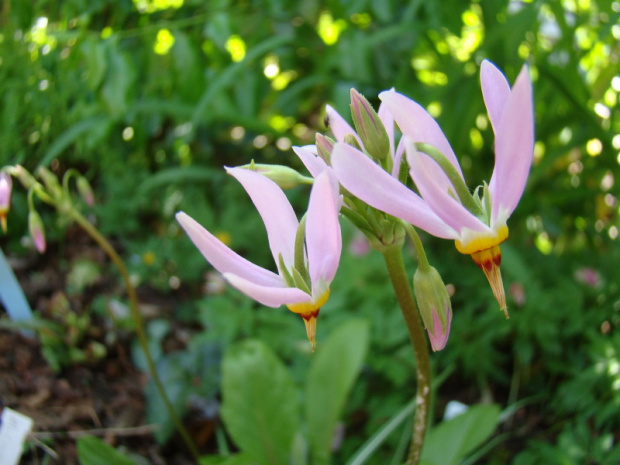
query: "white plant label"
14, 427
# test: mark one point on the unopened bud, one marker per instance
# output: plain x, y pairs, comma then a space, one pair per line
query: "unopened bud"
6, 185
283, 176
25, 178
351, 140
37, 232
324, 146
86, 192
369, 127
51, 182
434, 305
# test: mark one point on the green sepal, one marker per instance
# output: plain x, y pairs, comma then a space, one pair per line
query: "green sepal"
299, 261
462, 191
300, 282
284, 272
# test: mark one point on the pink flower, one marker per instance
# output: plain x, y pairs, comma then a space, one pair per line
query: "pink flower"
306, 254
476, 223
6, 184
37, 232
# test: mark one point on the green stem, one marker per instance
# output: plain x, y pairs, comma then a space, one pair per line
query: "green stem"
419, 248
400, 282
135, 312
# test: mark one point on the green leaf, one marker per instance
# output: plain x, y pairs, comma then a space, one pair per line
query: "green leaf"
259, 407
68, 137
94, 451
452, 440
237, 459
335, 367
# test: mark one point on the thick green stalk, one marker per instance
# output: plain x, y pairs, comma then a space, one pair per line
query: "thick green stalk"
400, 282
135, 312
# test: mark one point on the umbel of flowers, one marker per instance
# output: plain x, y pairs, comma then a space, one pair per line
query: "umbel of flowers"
370, 168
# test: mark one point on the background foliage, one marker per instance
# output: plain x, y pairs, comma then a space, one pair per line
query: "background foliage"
150, 98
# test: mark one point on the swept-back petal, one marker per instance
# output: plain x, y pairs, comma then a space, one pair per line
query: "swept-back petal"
313, 163
275, 210
339, 125
417, 124
369, 182
222, 258
514, 147
398, 157
271, 296
388, 122
495, 90
323, 237
438, 198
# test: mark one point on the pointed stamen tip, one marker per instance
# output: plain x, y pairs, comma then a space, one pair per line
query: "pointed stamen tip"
505, 310
310, 323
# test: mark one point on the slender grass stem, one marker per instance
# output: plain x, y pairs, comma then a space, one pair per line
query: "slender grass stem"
137, 317
392, 256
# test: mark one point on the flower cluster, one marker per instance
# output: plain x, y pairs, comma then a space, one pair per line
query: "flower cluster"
370, 167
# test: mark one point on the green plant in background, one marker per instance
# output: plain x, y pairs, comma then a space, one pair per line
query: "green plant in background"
59, 196
149, 97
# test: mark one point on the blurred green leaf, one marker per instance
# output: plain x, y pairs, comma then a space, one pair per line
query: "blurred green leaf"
93, 451
336, 365
260, 406
452, 440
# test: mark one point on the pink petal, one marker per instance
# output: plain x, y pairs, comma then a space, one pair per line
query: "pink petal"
323, 238
438, 198
313, 163
271, 296
388, 122
417, 124
398, 157
495, 90
369, 182
338, 125
275, 210
222, 258
514, 147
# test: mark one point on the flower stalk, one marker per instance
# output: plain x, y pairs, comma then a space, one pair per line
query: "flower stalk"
392, 255
139, 323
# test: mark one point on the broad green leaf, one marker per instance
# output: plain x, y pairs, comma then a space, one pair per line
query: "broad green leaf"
452, 440
94, 451
259, 407
335, 367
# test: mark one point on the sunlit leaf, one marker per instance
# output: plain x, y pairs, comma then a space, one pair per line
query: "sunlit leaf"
260, 407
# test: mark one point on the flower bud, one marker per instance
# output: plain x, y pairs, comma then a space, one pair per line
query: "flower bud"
434, 305
6, 185
35, 225
51, 182
324, 146
23, 175
351, 140
369, 127
86, 192
283, 176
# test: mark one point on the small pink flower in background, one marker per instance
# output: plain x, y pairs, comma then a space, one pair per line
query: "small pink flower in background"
359, 245
37, 232
589, 277
6, 185
437, 210
306, 268
85, 191
517, 292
